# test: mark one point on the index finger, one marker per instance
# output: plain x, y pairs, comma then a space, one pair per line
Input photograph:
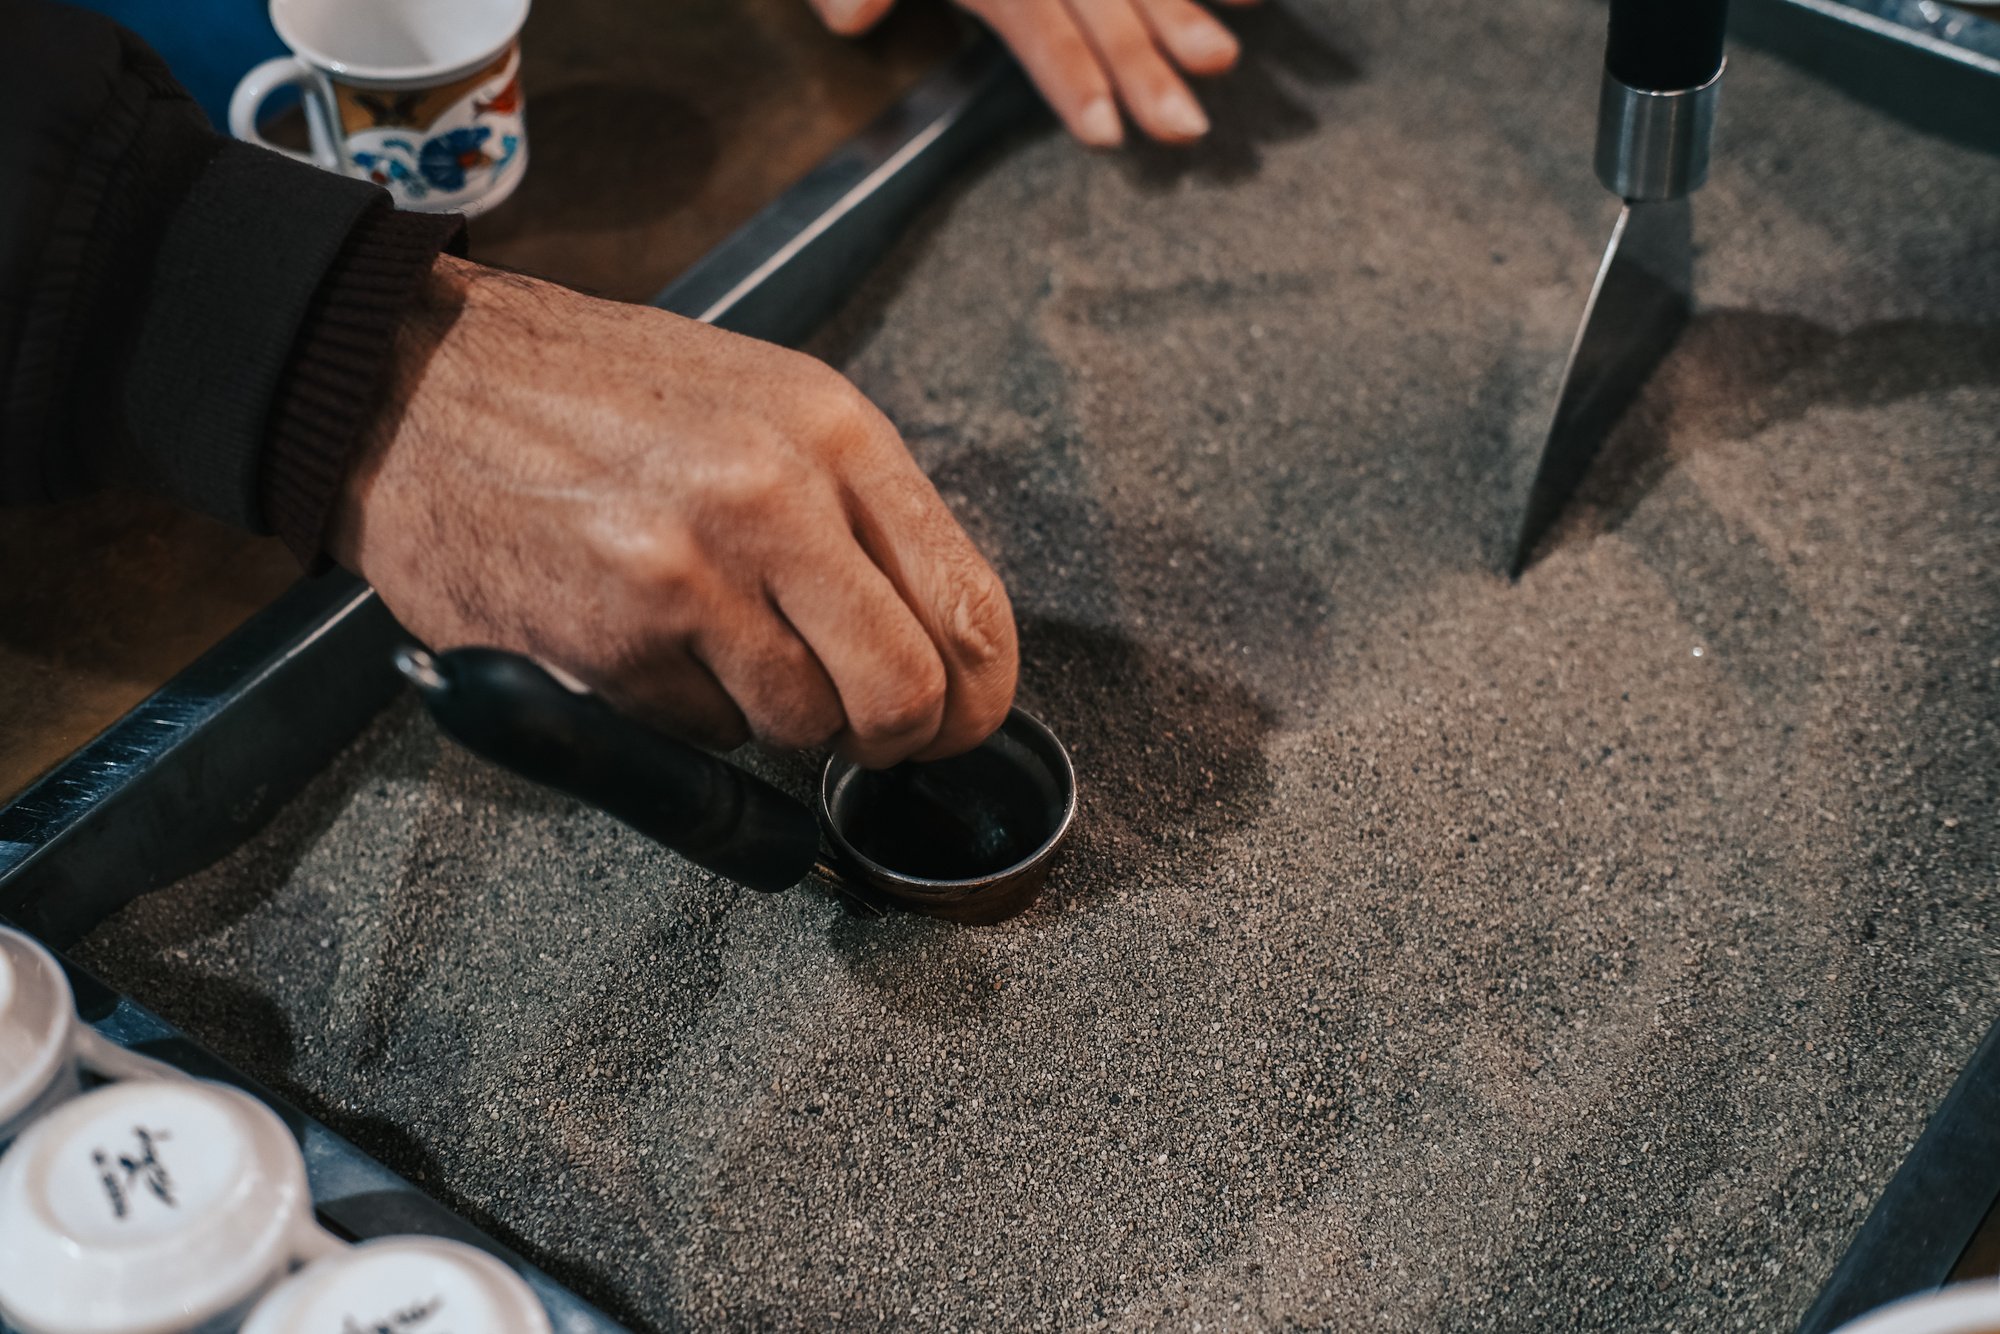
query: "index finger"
904, 526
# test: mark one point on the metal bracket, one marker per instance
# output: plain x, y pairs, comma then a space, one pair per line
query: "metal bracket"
1654, 145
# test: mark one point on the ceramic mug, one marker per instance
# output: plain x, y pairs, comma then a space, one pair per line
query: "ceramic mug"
410, 1285
151, 1206
420, 96
44, 1047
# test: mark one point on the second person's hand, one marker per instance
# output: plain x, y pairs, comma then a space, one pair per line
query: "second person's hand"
1089, 57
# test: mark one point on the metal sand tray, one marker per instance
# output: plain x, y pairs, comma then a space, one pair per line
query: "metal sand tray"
969, 839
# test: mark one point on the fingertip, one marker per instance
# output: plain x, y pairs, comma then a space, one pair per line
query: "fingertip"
878, 753
1207, 49
974, 714
898, 723
1176, 118
958, 738
851, 18
1098, 123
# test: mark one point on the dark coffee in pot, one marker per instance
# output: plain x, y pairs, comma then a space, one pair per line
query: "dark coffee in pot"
965, 818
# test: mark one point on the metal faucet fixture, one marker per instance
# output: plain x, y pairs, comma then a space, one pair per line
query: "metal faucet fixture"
1663, 67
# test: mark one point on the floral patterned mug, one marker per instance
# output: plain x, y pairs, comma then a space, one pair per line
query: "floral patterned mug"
420, 96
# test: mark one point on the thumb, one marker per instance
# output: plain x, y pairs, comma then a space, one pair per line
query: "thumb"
850, 18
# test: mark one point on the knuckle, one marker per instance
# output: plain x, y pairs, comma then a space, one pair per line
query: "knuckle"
823, 388
803, 714
980, 627
654, 559
843, 417
913, 706
755, 486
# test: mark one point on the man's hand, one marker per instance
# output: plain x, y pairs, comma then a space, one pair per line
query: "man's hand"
718, 534
1082, 52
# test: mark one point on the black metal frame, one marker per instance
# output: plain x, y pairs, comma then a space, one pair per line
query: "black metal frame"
1933, 1206
200, 764
1933, 66
197, 766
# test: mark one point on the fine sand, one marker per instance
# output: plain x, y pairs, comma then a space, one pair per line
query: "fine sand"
1433, 952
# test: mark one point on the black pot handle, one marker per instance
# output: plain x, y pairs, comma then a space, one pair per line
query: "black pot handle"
1664, 46
510, 710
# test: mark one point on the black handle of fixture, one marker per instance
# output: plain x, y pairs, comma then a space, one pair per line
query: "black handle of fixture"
510, 710
1665, 46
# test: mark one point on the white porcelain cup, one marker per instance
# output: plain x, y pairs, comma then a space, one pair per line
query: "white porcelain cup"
151, 1207
420, 96
1963, 1308
43, 1045
402, 1285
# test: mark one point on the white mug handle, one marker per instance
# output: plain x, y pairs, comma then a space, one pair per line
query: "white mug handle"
268, 78
314, 1241
105, 1058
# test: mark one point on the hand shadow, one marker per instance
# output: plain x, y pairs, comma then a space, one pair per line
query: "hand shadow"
1251, 105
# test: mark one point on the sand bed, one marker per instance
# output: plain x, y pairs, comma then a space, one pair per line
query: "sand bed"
1433, 952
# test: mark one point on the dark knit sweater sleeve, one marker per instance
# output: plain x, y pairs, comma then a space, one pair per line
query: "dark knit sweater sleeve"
332, 384
180, 313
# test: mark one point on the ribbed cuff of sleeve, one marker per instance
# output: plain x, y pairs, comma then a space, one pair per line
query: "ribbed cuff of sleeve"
333, 382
